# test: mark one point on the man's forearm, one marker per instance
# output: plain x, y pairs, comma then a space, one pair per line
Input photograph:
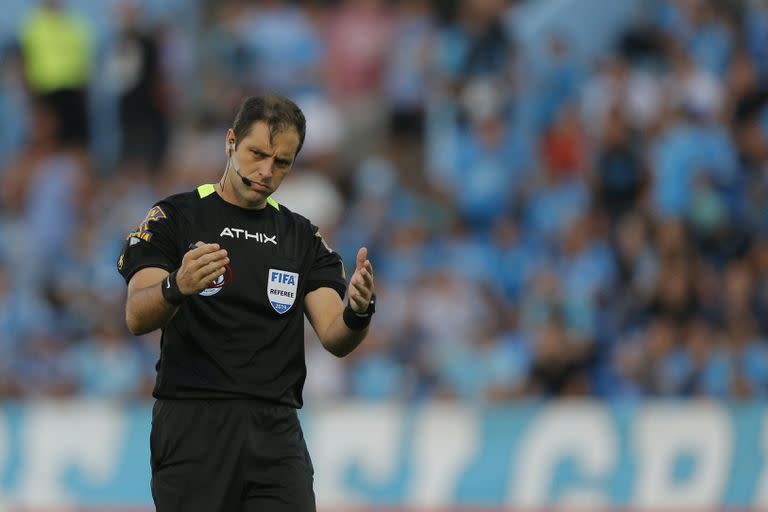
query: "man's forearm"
340, 340
152, 298
147, 310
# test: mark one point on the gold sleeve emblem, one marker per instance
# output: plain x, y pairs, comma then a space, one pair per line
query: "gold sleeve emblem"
142, 232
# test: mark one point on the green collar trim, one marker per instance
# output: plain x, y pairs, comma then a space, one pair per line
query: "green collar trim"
208, 189
205, 190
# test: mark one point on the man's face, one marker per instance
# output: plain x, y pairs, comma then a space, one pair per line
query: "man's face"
264, 158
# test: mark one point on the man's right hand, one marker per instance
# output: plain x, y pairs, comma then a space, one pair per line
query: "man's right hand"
200, 266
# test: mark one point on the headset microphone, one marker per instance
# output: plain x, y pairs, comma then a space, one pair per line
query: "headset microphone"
246, 181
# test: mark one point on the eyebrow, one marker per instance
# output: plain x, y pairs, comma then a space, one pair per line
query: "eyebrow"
280, 159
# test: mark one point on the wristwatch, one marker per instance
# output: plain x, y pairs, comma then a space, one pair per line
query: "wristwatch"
359, 321
371, 308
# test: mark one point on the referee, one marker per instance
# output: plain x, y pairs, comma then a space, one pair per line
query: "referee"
228, 274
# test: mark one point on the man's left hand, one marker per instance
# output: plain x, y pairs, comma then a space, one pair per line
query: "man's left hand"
361, 284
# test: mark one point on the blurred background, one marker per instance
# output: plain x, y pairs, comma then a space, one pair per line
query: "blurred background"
562, 204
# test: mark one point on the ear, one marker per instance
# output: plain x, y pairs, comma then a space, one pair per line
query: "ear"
229, 142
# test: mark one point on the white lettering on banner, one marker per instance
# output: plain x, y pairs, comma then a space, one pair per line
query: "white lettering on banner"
582, 431
66, 455
761, 490
664, 433
65, 436
445, 439
368, 438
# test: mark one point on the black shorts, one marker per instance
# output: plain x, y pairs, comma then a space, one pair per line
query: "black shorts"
229, 456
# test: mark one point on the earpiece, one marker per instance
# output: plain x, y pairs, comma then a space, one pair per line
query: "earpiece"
246, 181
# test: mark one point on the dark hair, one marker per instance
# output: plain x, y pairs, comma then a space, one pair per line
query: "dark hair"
278, 112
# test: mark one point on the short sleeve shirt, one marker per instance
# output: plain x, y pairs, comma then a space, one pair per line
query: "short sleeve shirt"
243, 336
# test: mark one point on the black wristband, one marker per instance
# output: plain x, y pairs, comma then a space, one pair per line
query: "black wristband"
171, 292
359, 321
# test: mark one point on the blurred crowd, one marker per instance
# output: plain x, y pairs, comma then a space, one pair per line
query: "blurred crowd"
539, 227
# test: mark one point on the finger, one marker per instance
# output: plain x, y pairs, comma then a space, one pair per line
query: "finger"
202, 248
361, 255
363, 291
210, 267
357, 280
358, 303
200, 274
199, 251
212, 256
209, 278
208, 258
367, 278
368, 266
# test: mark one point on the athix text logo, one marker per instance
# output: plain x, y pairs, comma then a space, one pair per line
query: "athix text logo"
259, 237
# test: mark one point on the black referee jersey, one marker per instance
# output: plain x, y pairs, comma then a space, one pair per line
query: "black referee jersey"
243, 336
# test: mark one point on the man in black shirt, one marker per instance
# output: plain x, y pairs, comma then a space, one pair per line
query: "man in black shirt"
227, 273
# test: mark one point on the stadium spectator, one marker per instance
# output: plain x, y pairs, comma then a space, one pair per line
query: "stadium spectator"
546, 221
56, 47
358, 37
133, 69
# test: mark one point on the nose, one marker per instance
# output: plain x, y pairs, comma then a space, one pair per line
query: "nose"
267, 167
